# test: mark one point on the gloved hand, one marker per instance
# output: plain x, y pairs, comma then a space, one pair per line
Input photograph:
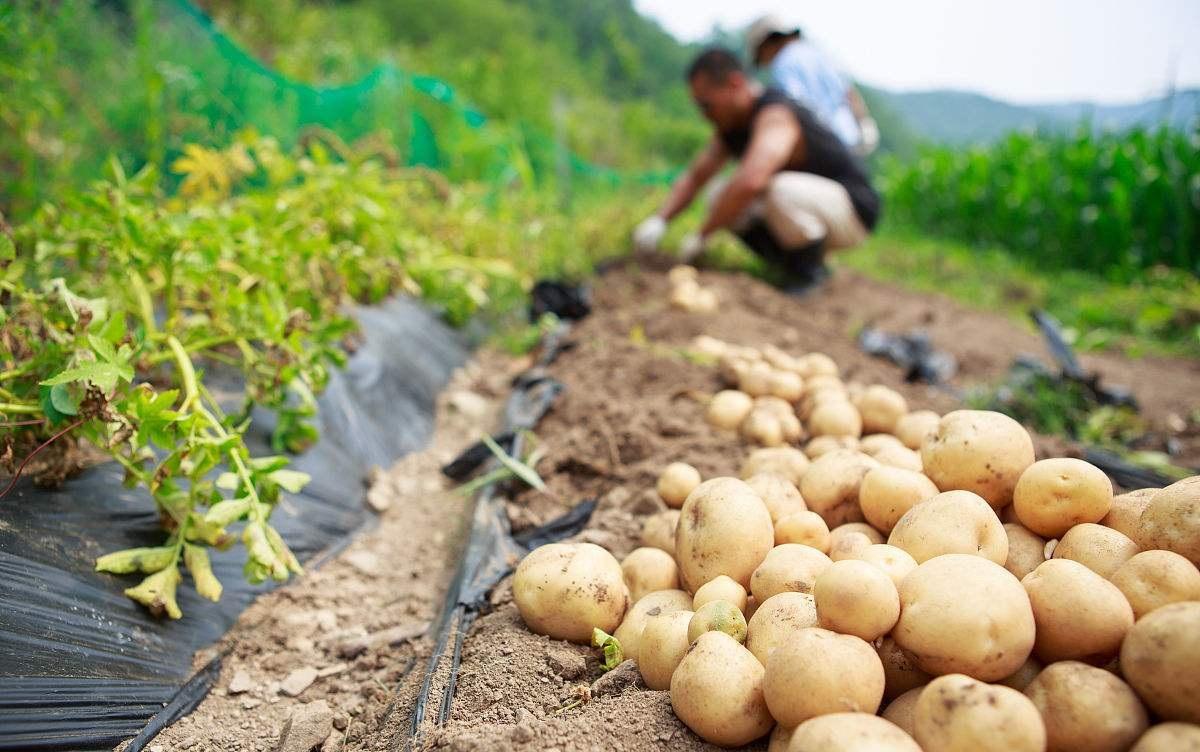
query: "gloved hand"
692, 246
648, 234
868, 136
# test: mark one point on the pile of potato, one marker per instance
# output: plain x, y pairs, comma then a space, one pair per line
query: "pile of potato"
907, 581
687, 294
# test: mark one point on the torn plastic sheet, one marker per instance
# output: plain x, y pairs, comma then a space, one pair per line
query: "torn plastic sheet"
913, 352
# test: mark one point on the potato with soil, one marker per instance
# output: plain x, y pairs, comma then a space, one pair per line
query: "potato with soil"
724, 528
717, 616
1026, 550
777, 621
1169, 737
850, 732
1079, 614
629, 633
912, 429
821, 672
717, 691
956, 713
1084, 707
788, 462
1100, 549
565, 590
727, 409
806, 528
663, 644
1152, 579
856, 598
830, 487
1159, 659
965, 614
848, 545
834, 418
881, 408
980, 451
896, 563
888, 492
1171, 521
1054, 495
900, 670
953, 522
1126, 511
788, 568
720, 588
677, 480
649, 569
658, 531
778, 493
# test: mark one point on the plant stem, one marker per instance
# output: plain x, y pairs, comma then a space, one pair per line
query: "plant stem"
145, 303
10, 407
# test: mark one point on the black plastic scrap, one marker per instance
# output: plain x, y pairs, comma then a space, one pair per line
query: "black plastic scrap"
567, 302
1070, 368
913, 352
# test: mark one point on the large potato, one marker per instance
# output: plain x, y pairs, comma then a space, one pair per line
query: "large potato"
913, 428
900, 670
830, 486
956, 713
786, 461
902, 711
850, 732
1169, 737
724, 528
1153, 579
834, 418
980, 451
1026, 550
565, 590
1056, 494
856, 598
953, 522
720, 588
778, 493
662, 646
658, 531
965, 614
807, 528
1099, 548
629, 634
888, 492
1159, 660
1171, 521
717, 691
896, 563
881, 409
777, 621
648, 569
727, 409
677, 480
1126, 511
1079, 614
788, 568
1084, 707
821, 672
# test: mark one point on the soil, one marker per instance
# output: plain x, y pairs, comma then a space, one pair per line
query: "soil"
631, 405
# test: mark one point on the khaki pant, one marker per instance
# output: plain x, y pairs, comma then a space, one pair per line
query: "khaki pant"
799, 209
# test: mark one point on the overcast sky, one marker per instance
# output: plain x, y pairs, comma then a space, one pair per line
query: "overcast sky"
1021, 50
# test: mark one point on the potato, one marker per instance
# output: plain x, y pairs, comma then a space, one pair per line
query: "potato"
830, 486
778, 493
790, 567
1079, 614
1169, 737
902, 711
821, 672
850, 732
565, 590
786, 461
658, 531
720, 588
717, 691
781, 737
817, 364
762, 427
900, 670
953, 522
681, 274
786, 385
825, 444
677, 480
1056, 494
877, 442
717, 616
914, 427
710, 346
901, 457
896, 563
849, 545
845, 529
1171, 521
778, 358
1126, 511
663, 644
781, 409
888, 492
755, 379
803, 527
834, 418
1025, 550
1086, 708
965, 614
724, 528
956, 713
1100, 549
730, 365
727, 409
1022, 677
881, 409
750, 609
1159, 660
777, 621
1153, 579
648, 569
629, 633
856, 598
980, 451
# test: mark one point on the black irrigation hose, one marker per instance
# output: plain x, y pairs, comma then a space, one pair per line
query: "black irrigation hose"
185, 701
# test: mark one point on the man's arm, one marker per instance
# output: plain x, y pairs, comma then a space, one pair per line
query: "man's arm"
868, 130
700, 171
858, 105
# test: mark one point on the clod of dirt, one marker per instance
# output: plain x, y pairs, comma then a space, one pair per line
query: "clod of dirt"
241, 682
566, 663
298, 681
618, 680
306, 728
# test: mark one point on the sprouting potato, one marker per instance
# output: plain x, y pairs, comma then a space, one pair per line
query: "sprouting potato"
565, 590
676, 481
717, 616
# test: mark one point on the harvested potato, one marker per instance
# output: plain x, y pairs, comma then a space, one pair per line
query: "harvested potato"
717, 691
1169, 737
902, 710
710, 346
1159, 660
779, 358
1079, 614
786, 461
877, 442
663, 644
980, 451
1171, 521
565, 590
658, 531
717, 616
817, 364
681, 274
1086, 708
751, 608
856, 598
825, 444
777, 492
1153, 579
965, 614
849, 545
1126, 511
720, 588
900, 670
786, 385
727, 409
790, 567
1100, 549
834, 418
781, 409
850, 732
830, 486
724, 528
1026, 550
777, 621
821, 672
806, 528
730, 364
755, 379
888, 492
881, 408
676, 481
956, 713
914, 427
953, 522
843, 530
1056, 494
901, 457
648, 569
763, 427
896, 563
629, 633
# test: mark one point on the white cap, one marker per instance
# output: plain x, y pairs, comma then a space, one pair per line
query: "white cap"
763, 28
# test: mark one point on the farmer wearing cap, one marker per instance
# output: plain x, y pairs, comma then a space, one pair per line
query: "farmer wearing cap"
803, 71
796, 192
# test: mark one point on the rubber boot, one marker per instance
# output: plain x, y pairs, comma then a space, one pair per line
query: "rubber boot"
804, 269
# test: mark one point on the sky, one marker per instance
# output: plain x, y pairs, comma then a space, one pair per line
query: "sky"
1028, 51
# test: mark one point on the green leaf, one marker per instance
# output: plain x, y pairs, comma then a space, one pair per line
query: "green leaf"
520, 469
207, 584
613, 654
103, 375
57, 403
136, 560
227, 512
157, 592
291, 481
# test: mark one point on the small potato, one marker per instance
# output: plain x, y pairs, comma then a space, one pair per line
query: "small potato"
953, 522
1159, 659
1126, 511
1169, 737
662, 646
762, 427
629, 633
779, 358
902, 711
778, 493
727, 409
658, 531
717, 616
900, 671
717, 691
730, 365
790, 567
720, 588
1171, 521
648, 569
845, 529
888, 492
850, 545
1086, 708
681, 274
710, 346
881, 409
856, 598
786, 461
965, 614
1022, 677
806, 528
901, 457
755, 380
877, 442
1153, 579
896, 563
786, 385
830, 486
850, 732
821, 672
835, 418
956, 713
825, 444
565, 590
724, 528
1100, 549
1056, 494
677, 480
817, 364
913, 428
777, 621
1026, 550
1079, 614
980, 451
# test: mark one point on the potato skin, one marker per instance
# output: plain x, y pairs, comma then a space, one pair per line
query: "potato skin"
720, 588
727, 409
980, 451
900, 671
902, 710
953, 522
1152, 579
647, 569
1171, 521
629, 633
888, 492
789, 462
1079, 614
957, 713
676, 481
1126, 511
781, 497
830, 486
807, 528
1100, 549
881, 409
821, 672
724, 528
662, 646
658, 531
895, 562
913, 428
776, 621
564, 590
717, 691
1054, 495
1169, 737
790, 567
857, 598
850, 732
717, 616
1084, 707
1159, 659
1026, 549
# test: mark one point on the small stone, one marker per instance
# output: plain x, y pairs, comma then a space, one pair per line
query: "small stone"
468, 404
157, 748
241, 682
306, 728
298, 681
326, 620
250, 703
365, 562
341, 721
379, 497
336, 668
618, 680
566, 663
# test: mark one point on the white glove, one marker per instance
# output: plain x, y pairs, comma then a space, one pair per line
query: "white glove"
692, 246
868, 136
648, 234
